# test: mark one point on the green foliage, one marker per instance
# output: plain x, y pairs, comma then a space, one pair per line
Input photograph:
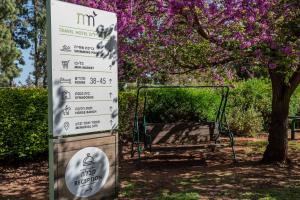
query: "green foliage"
9, 53
267, 193
128, 190
179, 196
37, 35
248, 109
295, 103
23, 112
294, 146
245, 122
258, 147
127, 104
249, 106
170, 105
23, 124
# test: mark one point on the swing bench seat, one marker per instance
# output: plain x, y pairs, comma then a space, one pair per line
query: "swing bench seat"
179, 133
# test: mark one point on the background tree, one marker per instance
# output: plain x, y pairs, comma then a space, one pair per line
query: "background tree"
37, 34
9, 54
13, 37
246, 33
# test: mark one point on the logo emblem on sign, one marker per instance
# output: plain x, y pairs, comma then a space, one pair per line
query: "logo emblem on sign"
87, 172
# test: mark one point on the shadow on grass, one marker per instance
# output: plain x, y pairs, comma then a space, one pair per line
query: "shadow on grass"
178, 196
286, 193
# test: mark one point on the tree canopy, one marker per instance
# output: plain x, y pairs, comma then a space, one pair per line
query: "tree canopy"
9, 53
244, 34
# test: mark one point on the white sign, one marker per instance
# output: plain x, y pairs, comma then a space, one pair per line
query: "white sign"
87, 172
83, 69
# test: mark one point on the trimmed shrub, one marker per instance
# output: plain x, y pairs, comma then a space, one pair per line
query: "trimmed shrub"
127, 102
171, 105
23, 124
249, 106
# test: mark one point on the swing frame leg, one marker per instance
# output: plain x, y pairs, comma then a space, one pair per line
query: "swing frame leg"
231, 137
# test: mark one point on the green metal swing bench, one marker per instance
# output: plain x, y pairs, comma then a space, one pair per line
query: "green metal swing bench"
142, 139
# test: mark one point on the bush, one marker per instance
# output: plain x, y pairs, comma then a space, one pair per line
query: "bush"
127, 102
171, 105
245, 122
23, 124
23, 112
249, 106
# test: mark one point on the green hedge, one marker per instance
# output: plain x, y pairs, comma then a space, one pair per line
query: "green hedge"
171, 105
23, 112
23, 122
248, 108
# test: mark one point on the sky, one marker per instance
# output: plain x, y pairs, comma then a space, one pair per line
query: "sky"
27, 68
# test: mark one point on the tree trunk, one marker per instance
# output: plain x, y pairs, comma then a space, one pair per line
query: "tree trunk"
277, 148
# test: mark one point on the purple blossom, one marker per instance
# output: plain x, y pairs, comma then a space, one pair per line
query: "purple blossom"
245, 45
251, 19
249, 28
229, 74
243, 69
273, 45
239, 36
288, 50
213, 9
149, 19
171, 22
272, 66
258, 53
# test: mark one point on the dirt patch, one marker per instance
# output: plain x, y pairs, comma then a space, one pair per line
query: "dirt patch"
24, 181
205, 175
216, 176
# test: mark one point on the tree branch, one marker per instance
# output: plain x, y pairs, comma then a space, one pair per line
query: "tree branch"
199, 27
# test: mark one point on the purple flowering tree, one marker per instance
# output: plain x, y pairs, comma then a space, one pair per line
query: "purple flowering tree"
244, 32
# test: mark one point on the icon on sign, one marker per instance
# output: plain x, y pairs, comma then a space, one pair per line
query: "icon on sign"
66, 94
88, 160
65, 64
67, 110
66, 125
64, 80
66, 48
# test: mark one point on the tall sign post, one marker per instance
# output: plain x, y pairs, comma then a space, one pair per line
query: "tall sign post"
83, 101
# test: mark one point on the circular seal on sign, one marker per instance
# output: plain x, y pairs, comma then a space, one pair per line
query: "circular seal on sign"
87, 172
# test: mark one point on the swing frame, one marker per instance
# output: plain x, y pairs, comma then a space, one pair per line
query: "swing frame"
220, 123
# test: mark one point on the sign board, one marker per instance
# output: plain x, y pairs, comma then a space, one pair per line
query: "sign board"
83, 79
84, 167
83, 102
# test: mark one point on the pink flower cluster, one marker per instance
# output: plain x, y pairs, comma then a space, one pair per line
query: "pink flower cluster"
145, 26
